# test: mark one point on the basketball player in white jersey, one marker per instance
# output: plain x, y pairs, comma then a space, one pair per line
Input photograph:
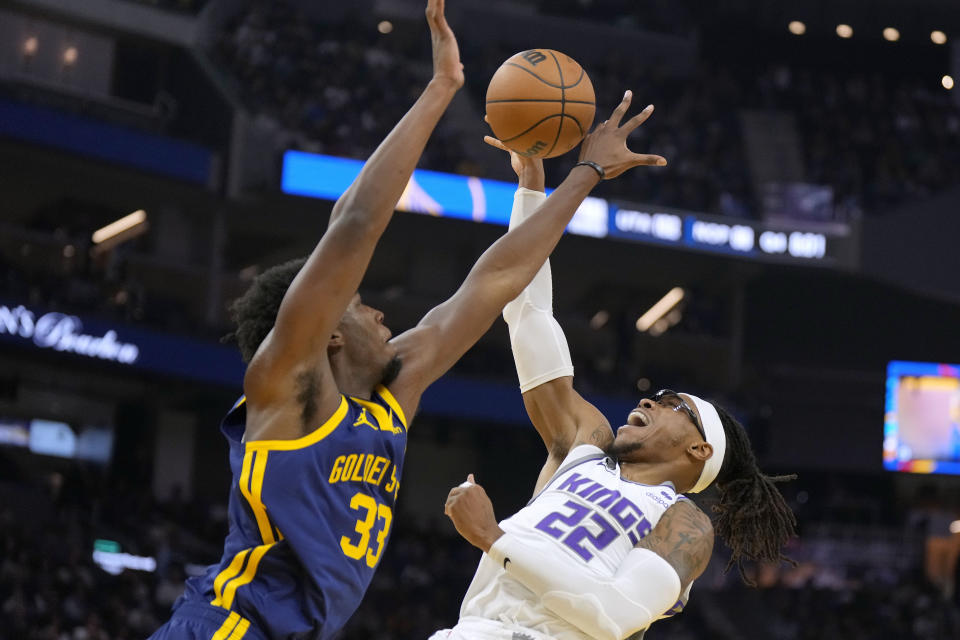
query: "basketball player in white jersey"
608, 544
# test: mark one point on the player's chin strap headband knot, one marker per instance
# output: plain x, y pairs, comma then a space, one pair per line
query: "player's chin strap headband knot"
717, 438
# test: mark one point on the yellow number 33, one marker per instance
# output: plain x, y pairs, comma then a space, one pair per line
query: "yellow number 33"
373, 513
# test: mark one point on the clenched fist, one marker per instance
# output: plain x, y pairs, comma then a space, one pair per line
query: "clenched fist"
472, 514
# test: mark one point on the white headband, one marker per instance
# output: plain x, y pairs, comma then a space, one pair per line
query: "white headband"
713, 429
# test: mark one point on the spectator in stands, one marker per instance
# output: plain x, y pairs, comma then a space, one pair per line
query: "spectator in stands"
879, 141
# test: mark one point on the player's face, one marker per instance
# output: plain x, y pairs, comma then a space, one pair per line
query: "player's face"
366, 338
659, 428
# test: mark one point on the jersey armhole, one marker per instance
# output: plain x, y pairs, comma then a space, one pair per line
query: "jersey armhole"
311, 438
577, 456
580, 452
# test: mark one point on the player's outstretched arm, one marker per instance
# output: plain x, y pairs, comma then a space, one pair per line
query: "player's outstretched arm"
561, 416
320, 293
502, 272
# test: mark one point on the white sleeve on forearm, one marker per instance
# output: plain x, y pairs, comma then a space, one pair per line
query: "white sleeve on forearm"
607, 608
540, 349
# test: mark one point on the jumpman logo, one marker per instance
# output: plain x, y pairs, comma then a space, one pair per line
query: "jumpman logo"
521, 636
364, 420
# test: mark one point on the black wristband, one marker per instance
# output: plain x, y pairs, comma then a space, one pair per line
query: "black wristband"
593, 165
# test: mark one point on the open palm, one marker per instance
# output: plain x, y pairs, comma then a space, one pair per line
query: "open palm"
446, 52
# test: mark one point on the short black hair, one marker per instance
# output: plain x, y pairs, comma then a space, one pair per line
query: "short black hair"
255, 312
751, 516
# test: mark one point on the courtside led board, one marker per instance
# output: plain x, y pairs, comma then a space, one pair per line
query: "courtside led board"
447, 195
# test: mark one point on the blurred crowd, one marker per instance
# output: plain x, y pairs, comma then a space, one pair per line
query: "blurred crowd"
106, 287
344, 94
51, 589
677, 17
188, 6
879, 140
341, 94
876, 140
909, 609
84, 290
606, 348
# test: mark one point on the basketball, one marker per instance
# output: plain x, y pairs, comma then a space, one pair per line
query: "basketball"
540, 103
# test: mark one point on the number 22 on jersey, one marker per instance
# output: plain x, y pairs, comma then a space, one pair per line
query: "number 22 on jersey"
574, 536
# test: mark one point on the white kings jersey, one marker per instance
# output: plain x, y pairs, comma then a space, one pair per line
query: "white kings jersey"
586, 513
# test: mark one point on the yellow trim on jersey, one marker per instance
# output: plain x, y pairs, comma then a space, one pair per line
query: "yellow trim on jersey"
240, 630
228, 626
239, 402
254, 494
392, 403
312, 438
227, 574
256, 554
380, 415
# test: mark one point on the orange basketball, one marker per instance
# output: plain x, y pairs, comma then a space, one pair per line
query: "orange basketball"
540, 103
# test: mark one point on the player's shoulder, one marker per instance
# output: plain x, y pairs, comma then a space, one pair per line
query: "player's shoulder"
684, 538
685, 513
683, 525
274, 388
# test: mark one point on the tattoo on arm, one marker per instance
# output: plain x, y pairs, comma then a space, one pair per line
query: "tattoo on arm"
684, 538
601, 437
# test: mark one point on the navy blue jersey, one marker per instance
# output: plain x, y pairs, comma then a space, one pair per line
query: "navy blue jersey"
309, 519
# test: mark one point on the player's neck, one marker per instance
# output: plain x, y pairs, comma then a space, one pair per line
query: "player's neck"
351, 380
654, 473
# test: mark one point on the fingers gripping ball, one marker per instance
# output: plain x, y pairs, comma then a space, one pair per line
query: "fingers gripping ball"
540, 103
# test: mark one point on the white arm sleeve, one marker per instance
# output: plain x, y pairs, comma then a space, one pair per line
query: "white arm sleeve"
607, 608
540, 349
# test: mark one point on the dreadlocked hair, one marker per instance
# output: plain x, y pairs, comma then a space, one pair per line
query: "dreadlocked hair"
255, 312
751, 516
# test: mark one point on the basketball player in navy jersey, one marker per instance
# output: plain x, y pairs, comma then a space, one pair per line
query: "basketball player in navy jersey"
317, 441
608, 544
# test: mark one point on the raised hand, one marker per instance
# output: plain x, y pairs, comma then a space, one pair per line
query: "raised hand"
528, 170
472, 514
446, 53
607, 144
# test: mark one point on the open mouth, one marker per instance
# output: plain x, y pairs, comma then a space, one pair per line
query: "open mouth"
639, 418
